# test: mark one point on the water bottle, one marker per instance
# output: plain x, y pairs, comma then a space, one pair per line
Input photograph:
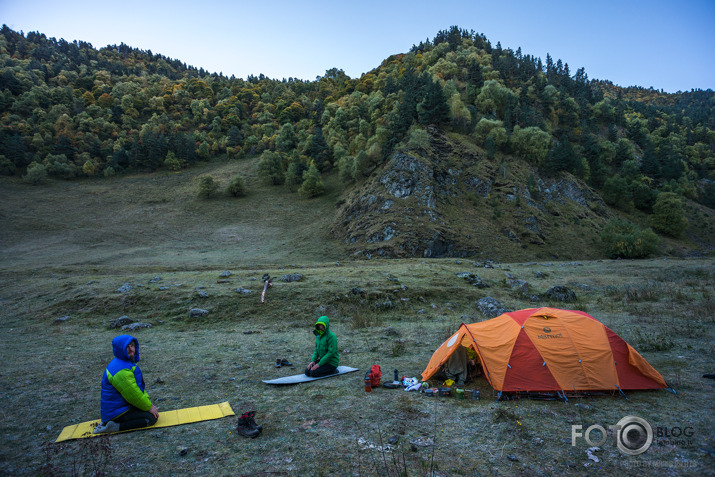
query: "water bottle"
396, 376
368, 383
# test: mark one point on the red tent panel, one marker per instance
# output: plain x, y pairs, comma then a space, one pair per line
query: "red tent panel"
527, 372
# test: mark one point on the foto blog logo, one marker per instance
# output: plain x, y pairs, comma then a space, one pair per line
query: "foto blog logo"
632, 435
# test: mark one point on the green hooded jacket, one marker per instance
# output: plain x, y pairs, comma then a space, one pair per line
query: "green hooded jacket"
326, 344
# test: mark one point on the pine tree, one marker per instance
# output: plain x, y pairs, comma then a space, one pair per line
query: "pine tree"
312, 183
361, 165
434, 108
319, 150
235, 138
615, 192
562, 157
286, 139
649, 163
296, 168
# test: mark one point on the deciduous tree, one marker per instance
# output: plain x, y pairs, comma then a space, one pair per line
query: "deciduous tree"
207, 187
668, 215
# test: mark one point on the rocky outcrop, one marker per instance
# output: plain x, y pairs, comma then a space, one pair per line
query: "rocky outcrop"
450, 201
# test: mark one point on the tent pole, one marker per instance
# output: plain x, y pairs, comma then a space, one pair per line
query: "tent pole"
622, 393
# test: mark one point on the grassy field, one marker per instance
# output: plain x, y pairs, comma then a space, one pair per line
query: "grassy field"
64, 255
157, 219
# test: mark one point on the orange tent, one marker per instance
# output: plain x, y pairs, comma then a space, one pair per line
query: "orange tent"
548, 349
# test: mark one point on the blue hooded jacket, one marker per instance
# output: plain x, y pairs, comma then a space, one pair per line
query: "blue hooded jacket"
122, 382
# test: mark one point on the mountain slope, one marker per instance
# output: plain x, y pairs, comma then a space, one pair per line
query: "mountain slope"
480, 149
451, 200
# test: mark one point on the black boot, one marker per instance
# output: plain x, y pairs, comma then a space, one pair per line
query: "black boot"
244, 427
252, 422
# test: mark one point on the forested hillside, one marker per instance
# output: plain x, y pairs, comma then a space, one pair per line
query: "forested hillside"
69, 110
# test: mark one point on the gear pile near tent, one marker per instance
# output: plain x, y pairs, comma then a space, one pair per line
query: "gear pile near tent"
548, 349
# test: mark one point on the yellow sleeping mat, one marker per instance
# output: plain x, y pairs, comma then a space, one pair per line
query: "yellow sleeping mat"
166, 419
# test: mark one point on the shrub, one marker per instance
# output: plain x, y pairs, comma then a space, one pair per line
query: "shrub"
173, 162
493, 131
36, 174
531, 143
237, 187
207, 187
624, 239
59, 166
651, 341
419, 140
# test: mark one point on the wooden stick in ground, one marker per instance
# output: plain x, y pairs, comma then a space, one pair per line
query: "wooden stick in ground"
266, 284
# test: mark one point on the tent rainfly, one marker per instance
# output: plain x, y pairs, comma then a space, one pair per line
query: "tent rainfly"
548, 349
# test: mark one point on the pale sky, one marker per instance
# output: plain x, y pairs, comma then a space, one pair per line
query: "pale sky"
664, 44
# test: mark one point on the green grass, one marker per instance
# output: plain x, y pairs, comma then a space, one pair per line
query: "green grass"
68, 247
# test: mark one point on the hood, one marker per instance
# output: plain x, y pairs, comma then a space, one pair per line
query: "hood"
119, 347
323, 320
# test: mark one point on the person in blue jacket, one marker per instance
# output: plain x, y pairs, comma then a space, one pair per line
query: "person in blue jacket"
125, 404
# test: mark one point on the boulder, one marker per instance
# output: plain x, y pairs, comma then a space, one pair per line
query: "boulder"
197, 312
517, 284
473, 279
120, 322
156, 279
292, 277
136, 326
560, 293
383, 305
225, 274
126, 288
61, 319
243, 291
491, 307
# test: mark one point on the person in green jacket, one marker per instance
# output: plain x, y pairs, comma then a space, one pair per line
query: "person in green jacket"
325, 359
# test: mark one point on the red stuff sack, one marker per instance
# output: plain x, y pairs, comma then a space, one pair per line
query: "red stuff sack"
375, 375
